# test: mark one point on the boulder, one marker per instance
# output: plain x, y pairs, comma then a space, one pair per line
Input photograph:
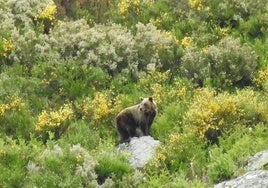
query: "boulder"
141, 150
252, 179
258, 161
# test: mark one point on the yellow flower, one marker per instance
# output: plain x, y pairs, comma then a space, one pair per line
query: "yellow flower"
174, 138
262, 77
79, 157
161, 157
187, 42
123, 6
7, 46
16, 104
54, 118
224, 31
205, 48
102, 106
207, 9
197, 4
136, 2
96, 108
48, 13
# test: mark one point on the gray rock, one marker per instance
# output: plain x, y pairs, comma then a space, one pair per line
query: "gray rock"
252, 179
141, 150
258, 161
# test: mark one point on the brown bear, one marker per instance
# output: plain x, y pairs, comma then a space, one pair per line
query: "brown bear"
138, 116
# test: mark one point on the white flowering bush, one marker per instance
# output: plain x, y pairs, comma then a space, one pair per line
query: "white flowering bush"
17, 22
228, 63
107, 47
19, 14
113, 47
154, 47
57, 163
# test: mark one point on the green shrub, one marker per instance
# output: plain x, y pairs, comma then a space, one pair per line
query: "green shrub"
168, 119
129, 180
69, 79
230, 158
27, 37
14, 156
173, 180
231, 13
221, 168
255, 27
92, 11
181, 152
166, 88
15, 118
112, 166
260, 46
113, 48
229, 63
63, 167
111, 163
80, 132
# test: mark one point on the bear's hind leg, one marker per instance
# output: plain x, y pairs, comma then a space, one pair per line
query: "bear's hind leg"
132, 131
123, 133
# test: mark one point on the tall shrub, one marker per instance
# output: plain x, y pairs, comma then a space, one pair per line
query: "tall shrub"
228, 63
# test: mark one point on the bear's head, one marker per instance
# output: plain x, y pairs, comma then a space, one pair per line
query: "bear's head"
147, 105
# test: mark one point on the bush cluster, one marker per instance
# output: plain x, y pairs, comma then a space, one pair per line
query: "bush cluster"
225, 111
228, 63
68, 67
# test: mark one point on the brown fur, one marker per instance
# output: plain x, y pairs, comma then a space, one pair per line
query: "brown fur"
137, 116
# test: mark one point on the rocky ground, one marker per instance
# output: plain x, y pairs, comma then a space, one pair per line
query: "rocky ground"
142, 149
255, 176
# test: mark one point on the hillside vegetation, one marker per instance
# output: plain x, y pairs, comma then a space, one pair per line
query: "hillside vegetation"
68, 67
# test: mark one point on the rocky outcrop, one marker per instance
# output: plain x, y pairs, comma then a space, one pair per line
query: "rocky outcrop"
258, 161
141, 150
252, 179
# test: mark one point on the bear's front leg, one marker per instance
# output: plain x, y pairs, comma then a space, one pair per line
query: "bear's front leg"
145, 130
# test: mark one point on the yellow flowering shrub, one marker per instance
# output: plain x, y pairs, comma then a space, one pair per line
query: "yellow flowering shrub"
209, 111
261, 80
53, 118
224, 111
6, 46
123, 6
126, 6
187, 42
157, 83
47, 17
97, 108
48, 13
224, 31
15, 104
196, 4
101, 104
254, 106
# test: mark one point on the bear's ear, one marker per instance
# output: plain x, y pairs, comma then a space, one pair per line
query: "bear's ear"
141, 98
151, 99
